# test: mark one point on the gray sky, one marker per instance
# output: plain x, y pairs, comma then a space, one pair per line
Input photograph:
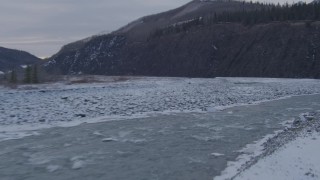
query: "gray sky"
41, 27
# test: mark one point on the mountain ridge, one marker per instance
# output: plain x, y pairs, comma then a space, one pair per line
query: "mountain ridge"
12, 58
195, 48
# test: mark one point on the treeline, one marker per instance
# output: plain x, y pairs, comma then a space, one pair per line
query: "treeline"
264, 13
30, 75
269, 13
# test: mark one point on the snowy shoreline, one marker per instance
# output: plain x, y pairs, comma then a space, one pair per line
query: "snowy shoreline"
296, 132
291, 154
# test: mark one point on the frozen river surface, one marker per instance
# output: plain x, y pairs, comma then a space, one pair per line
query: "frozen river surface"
194, 145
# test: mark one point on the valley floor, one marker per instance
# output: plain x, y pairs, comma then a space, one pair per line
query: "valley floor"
163, 128
51, 105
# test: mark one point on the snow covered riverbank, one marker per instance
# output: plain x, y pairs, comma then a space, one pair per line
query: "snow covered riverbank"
289, 154
296, 159
66, 105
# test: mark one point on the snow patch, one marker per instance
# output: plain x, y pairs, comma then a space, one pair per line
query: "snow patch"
217, 154
77, 162
53, 168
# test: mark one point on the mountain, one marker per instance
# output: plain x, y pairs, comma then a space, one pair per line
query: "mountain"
10, 58
202, 39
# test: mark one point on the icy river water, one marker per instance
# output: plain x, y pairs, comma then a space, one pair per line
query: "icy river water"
176, 146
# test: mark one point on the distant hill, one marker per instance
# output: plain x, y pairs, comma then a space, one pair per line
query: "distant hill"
10, 58
204, 39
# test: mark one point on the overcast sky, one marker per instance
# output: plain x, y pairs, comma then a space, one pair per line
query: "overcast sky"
41, 27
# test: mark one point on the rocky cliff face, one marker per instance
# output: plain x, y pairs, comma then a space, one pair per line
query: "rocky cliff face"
277, 49
10, 59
